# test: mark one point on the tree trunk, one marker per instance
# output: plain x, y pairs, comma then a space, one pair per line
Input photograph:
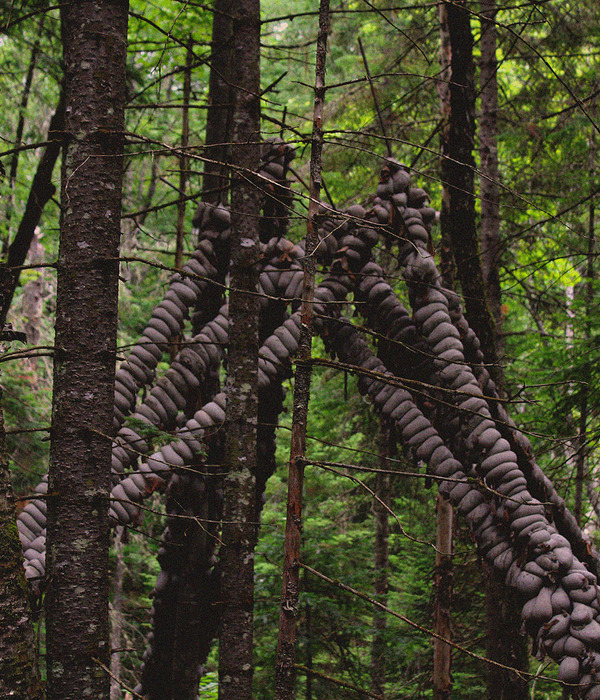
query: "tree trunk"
77, 630
220, 104
447, 264
382, 529
196, 612
239, 531
41, 191
183, 159
458, 168
19, 676
503, 642
14, 161
442, 678
285, 671
491, 244
442, 683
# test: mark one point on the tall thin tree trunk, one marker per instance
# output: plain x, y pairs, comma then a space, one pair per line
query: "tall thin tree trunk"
309, 652
285, 672
457, 168
220, 105
382, 529
183, 159
491, 244
447, 264
504, 643
42, 189
77, 630
19, 676
442, 659
239, 530
14, 162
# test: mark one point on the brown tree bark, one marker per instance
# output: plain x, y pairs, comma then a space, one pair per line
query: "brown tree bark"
446, 256
19, 677
285, 671
503, 641
77, 630
457, 169
33, 303
220, 105
581, 442
491, 244
239, 530
42, 189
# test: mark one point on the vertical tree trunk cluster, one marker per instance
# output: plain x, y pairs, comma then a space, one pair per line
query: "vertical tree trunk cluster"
239, 530
491, 245
94, 43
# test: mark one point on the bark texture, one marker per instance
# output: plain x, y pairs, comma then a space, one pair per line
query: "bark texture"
19, 677
457, 168
220, 105
285, 671
491, 245
94, 43
504, 642
14, 162
239, 506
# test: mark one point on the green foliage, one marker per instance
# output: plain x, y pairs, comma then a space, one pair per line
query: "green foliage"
548, 149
